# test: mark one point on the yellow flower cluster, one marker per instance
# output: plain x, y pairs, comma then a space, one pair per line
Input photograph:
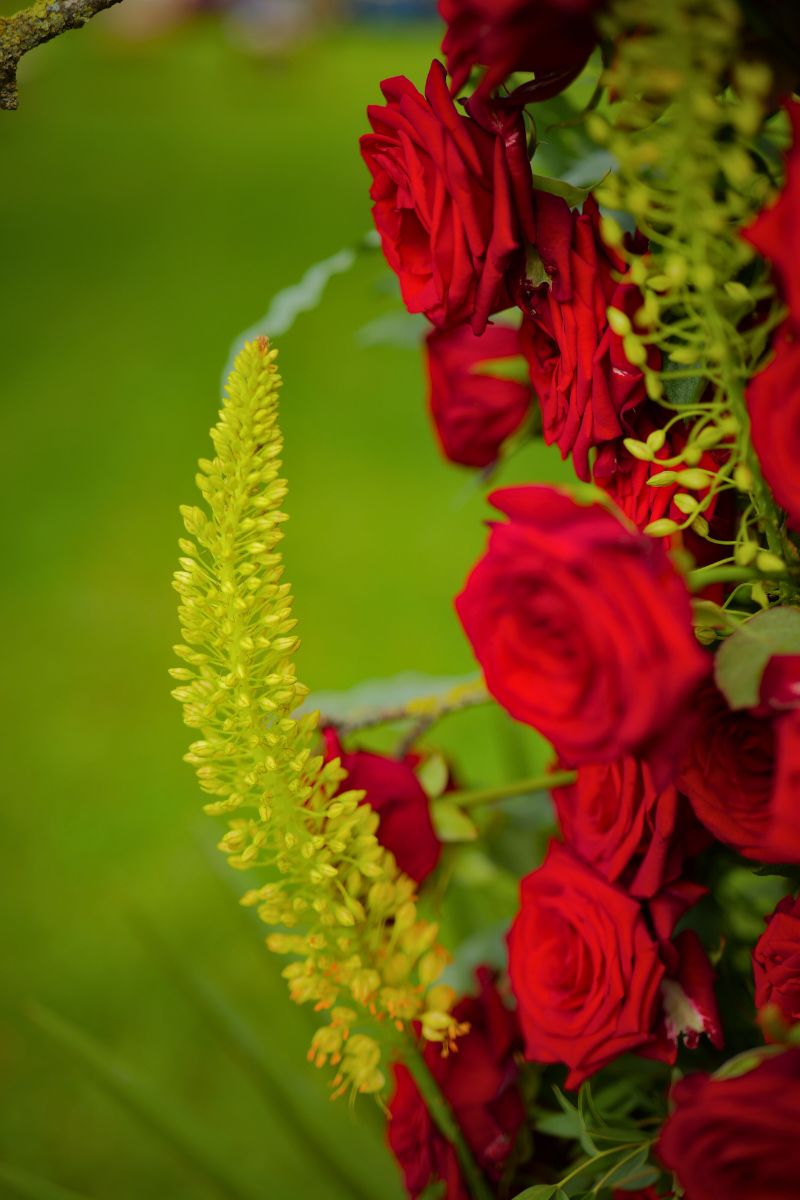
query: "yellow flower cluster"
343, 911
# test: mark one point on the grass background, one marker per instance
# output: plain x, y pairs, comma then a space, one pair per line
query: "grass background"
153, 199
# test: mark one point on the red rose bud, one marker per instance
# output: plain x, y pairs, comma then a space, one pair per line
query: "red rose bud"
474, 412
395, 793
773, 401
729, 774
775, 233
776, 961
737, 1138
552, 38
586, 385
444, 203
479, 1082
632, 832
592, 981
583, 630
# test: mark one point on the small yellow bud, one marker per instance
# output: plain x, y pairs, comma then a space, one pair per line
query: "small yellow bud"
703, 277
638, 449
662, 479
653, 385
737, 291
709, 436
692, 454
635, 351
700, 526
685, 503
743, 478
610, 232
694, 479
745, 553
656, 440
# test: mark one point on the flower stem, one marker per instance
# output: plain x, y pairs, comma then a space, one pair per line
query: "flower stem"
703, 576
443, 1118
520, 787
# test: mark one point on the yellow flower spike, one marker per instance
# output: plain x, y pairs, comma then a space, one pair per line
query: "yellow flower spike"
351, 911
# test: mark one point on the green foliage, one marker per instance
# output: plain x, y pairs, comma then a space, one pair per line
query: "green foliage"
741, 660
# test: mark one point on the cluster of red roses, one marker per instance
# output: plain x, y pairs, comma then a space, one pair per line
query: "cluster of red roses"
583, 628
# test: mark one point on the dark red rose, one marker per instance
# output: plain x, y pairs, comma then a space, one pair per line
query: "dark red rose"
776, 961
590, 975
617, 820
397, 796
648, 1193
780, 696
775, 233
773, 401
473, 412
552, 38
586, 386
737, 1138
583, 629
479, 1082
444, 203
727, 772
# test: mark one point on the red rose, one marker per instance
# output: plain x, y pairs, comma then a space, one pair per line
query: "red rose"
586, 386
773, 401
582, 628
617, 820
552, 38
780, 696
727, 773
474, 413
775, 233
444, 203
589, 975
479, 1083
737, 1138
398, 798
776, 961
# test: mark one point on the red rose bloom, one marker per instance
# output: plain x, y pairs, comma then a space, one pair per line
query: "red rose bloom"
780, 696
582, 628
589, 975
773, 401
443, 203
776, 961
737, 1138
775, 233
586, 386
552, 38
620, 823
394, 792
727, 772
474, 413
479, 1083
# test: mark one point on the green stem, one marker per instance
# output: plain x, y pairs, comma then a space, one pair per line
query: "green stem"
442, 1116
423, 708
520, 787
704, 576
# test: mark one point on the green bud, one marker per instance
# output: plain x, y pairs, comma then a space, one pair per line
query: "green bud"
619, 321
661, 528
662, 479
611, 231
685, 503
692, 455
708, 437
654, 385
635, 351
694, 478
745, 553
766, 561
638, 449
737, 291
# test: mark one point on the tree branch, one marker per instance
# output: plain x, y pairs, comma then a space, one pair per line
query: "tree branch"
45, 19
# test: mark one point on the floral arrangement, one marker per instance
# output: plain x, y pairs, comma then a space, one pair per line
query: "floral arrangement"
636, 1029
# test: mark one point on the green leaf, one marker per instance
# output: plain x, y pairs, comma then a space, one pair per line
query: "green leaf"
741, 661
433, 774
451, 822
157, 1113
24, 1186
562, 1125
541, 1191
514, 368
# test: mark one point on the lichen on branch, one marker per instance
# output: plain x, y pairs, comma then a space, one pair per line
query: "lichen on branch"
31, 27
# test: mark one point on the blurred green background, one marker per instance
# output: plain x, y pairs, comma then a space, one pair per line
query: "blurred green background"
154, 197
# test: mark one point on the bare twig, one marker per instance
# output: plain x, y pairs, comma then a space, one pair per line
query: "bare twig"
30, 27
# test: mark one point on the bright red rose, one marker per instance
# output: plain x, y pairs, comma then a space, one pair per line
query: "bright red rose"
775, 233
583, 629
444, 203
394, 792
728, 774
776, 961
480, 1084
587, 388
552, 38
474, 413
590, 976
773, 401
617, 820
736, 1139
